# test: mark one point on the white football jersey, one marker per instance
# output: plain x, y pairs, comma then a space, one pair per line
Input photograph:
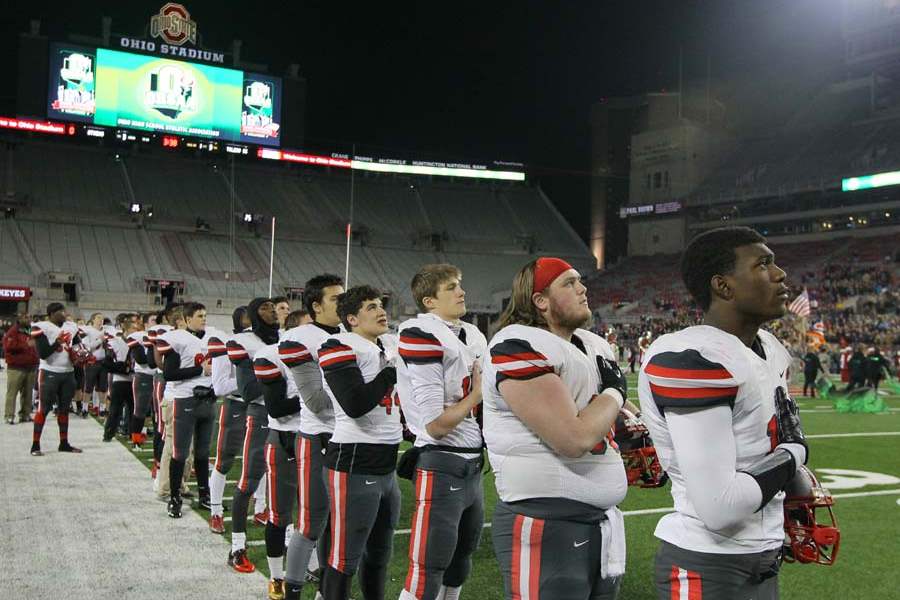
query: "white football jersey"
241, 348
119, 348
300, 346
436, 361
269, 368
525, 467
93, 338
705, 366
192, 350
59, 361
381, 425
135, 339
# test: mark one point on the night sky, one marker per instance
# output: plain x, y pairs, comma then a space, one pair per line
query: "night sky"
480, 80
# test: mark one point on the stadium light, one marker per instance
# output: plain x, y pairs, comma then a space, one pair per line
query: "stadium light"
866, 182
135, 208
248, 218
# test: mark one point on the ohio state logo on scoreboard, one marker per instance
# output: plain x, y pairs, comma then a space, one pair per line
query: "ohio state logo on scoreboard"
174, 25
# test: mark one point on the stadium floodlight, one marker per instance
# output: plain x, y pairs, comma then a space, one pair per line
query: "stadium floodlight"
248, 218
866, 182
135, 208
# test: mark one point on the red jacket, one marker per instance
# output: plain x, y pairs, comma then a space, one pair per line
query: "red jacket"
18, 352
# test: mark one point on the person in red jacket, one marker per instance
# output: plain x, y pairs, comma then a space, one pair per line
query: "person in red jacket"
22, 360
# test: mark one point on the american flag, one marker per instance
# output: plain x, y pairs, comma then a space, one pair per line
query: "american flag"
800, 305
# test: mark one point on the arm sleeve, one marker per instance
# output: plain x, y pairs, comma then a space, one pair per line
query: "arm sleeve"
308, 378
274, 389
115, 366
139, 354
222, 381
423, 355
356, 397
247, 384
172, 370
704, 446
43, 344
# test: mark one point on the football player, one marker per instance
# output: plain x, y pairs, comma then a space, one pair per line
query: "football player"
282, 401
232, 420
119, 364
186, 365
241, 348
55, 339
361, 459
715, 399
142, 379
299, 350
439, 384
550, 402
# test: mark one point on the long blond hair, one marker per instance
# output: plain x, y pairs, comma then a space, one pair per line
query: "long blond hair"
521, 309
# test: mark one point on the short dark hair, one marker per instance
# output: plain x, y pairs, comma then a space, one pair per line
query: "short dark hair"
712, 253
280, 299
145, 317
351, 301
192, 307
294, 317
313, 291
54, 307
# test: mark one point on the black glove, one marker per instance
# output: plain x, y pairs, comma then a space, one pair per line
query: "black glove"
611, 376
787, 420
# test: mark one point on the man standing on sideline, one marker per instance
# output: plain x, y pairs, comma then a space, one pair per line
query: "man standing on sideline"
811, 367
439, 383
54, 339
22, 362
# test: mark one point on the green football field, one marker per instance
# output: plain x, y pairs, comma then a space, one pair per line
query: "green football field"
854, 455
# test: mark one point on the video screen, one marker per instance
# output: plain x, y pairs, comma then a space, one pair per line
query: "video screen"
149, 93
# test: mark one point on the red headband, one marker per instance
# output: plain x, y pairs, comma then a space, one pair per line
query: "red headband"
546, 270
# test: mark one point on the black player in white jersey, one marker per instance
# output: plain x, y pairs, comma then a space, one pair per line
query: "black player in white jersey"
142, 380
361, 460
549, 405
55, 340
119, 363
439, 385
299, 349
715, 399
241, 348
187, 366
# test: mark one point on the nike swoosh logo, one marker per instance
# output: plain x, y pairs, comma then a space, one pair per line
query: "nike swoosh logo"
237, 415
370, 482
453, 489
189, 410
580, 544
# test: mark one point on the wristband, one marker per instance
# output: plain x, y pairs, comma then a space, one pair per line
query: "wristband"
616, 394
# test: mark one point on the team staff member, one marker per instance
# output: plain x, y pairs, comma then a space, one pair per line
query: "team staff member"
361, 459
299, 349
714, 397
54, 339
187, 365
439, 383
550, 403
22, 361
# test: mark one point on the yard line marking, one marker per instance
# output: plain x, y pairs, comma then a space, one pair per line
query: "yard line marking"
831, 410
862, 494
845, 435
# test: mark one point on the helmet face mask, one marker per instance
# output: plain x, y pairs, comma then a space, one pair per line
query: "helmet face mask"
806, 539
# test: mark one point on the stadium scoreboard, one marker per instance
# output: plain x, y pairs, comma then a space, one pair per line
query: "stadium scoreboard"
111, 88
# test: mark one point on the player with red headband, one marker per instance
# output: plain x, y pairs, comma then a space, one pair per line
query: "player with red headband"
550, 400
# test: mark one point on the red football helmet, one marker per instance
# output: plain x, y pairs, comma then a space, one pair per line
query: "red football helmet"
805, 539
641, 463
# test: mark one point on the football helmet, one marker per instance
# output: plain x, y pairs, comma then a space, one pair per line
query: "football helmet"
805, 539
642, 466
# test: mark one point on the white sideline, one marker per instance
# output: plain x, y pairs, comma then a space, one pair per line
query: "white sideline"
819, 436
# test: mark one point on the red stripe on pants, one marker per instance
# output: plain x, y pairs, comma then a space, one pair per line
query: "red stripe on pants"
337, 487
304, 466
418, 540
273, 484
221, 437
525, 570
242, 482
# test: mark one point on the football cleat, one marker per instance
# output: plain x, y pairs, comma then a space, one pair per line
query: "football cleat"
173, 508
203, 502
67, 447
239, 562
36, 450
805, 539
642, 467
261, 518
276, 589
217, 524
